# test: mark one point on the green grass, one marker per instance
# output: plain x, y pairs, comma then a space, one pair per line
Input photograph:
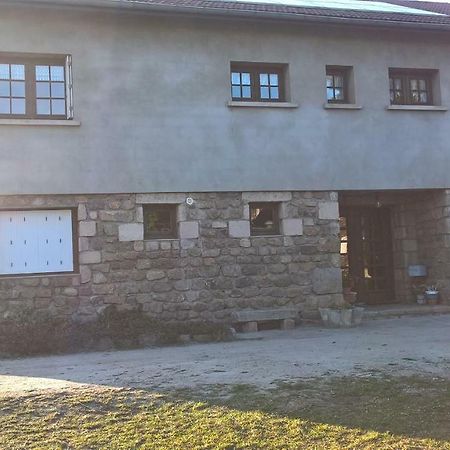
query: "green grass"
332, 413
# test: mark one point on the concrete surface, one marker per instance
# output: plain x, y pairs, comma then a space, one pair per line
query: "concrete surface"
411, 345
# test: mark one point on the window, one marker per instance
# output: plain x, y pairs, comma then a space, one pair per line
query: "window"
35, 87
34, 242
338, 83
258, 82
411, 87
264, 219
160, 221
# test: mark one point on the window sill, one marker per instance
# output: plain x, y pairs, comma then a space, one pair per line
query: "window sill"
417, 108
288, 105
20, 276
345, 106
41, 122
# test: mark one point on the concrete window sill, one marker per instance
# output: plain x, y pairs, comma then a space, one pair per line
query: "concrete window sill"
287, 105
342, 106
41, 122
21, 276
417, 108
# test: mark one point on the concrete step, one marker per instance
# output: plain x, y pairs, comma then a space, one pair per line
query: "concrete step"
384, 311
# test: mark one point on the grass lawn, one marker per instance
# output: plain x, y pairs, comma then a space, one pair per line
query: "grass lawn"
331, 413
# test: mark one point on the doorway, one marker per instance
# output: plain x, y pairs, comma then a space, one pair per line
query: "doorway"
367, 253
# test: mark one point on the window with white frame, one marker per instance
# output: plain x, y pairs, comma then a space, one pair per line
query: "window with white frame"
36, 242
35, 87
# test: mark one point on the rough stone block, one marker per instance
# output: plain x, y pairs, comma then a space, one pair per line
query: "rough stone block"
239, 228
82, 212
85, 274
160, 198
87, 228
292, 227
93, 257
189, 230
250, 327
131, 232
327, 280
329, 210
267, 196
288, 324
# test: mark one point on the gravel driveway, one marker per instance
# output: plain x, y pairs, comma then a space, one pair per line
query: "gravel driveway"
408, 345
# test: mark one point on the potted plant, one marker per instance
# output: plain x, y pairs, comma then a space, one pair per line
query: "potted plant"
432, 295
344, 315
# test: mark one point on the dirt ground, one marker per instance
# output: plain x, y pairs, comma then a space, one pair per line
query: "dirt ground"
403, 346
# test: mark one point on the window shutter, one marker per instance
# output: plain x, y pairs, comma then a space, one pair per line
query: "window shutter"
69, 87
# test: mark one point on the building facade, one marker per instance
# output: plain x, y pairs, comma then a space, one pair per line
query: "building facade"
206, 160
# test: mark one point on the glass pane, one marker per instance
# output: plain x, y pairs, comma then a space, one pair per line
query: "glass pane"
423, 97
245, 78
17, 72
397, 83
339, 94
58, 90
274, 93
58, 107
43, 89
264, 92
422, 85
42, 73
246, 92
57, 73
236, 91
43, 107
4, 89
339, 81
18, 106
264, 79
330, 93
4, 106
413, 84
273, 79
415, 97
4, 71
235, 78
263, 220
329, 81
18, 88
392, 96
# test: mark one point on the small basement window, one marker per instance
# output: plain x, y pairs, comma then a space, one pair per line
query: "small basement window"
258, 82
35, 87
160, 221
264, 219
36, 242
412, 87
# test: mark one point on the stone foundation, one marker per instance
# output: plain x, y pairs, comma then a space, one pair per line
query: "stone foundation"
213, 269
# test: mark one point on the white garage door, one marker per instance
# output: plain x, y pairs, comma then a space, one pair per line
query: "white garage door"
36, 242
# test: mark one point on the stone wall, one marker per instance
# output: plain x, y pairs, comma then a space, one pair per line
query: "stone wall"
213, 269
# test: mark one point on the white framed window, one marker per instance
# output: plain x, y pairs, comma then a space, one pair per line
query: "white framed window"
36, 242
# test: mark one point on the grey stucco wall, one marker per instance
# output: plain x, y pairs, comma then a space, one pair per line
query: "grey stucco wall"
151, 95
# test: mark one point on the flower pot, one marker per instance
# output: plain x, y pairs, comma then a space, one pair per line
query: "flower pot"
432, 297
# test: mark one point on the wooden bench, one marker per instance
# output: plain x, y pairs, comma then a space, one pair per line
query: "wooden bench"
249, 318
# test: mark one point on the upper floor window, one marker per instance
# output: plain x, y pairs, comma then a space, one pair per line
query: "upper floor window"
35, 87
258, 82
411, 87
337, 84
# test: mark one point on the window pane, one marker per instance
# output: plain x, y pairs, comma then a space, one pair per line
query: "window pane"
422, 85
274, 93
423, 97
58, 107
17, 72
264, 79
58, 90
329, 81
43, 89
339, 81
42, 73
236, 91
235, 78
330, 93
43, 107
18, 106
264, 92
274, 79
4, 89
397, 83
415, 97
4, 71
18, 88
245, 78
263, 219
57, 73
339, 94
246, 92
413, 84
4, 106
159, 221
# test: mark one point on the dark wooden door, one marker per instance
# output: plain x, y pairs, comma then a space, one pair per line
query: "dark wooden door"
366, 252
